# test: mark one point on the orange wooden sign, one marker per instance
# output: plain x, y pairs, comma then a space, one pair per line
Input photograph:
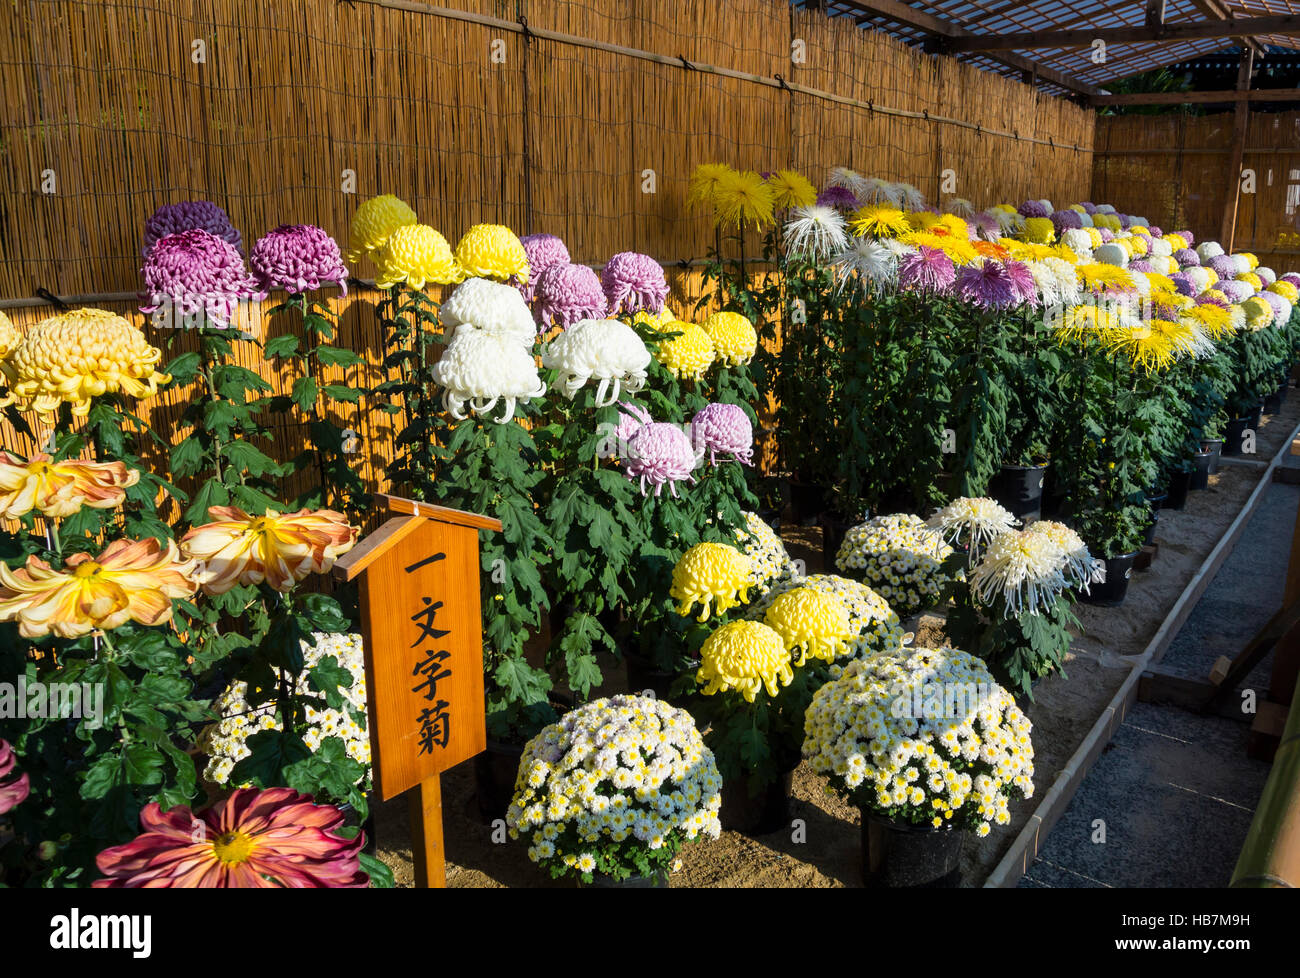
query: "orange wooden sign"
422, 626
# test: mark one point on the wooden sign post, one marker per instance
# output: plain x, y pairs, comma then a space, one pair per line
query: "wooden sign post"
423, 631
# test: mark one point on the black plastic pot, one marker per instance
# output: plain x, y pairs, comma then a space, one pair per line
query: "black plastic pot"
1156, 500
895, 854
1055, 502
1273, 402
834, 530
1235, 435
1179, 484
1019, 489
808, 501
642, 675
599, 881
1110, 592
495, 771
1215, 447
1200, 476
1149, 537
1257, 416
772, 517
758, 814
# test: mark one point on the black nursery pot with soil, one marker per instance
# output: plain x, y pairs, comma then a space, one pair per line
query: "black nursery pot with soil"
1235, 433
600, 881
1179, 484
834, 529
897, 854
1110, 592
1019, 489
756, 814
1149, 535
1215, 447
1200, 475
807, 502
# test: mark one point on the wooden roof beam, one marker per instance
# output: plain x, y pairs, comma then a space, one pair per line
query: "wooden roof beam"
1199, 98
1217, 10
1161, 33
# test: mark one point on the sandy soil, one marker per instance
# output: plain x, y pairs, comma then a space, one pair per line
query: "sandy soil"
822, 849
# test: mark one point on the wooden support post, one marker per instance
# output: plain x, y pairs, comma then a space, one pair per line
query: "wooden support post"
427, 848
1241, 122
1286, 656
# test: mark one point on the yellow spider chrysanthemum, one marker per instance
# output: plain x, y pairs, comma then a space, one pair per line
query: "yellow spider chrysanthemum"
1081, 323
717, 576
1039, 230
812, 623
77, 356
921, 220
374, 221
1286, 290
492, 251
746, 656
743, 197
415, 254
10, 337
1026, 251
1063, 252
960, 250
1148, 348
791, 189
1099, 277
1214, 321
1170, 305
734, 338
879, 221
958, 227
688, 355
1161, 283
703, 184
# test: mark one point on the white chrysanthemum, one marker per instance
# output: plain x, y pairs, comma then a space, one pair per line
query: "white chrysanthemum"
479, 369
765, 551
599, 349
1027, 570
878, 191
1078, 241
899, 557
1140, 282
1011, 221
1237, 317
962, 207
1068, 286
492, 307
1105, 208
1161, 248
1163, 264
1240, 263
1111, 254
1286, 306
870, 262
815, 233
972, 522
842, 176
1048, 205
913, 199
1199, 277
1266, 274
1208, 249
1080, 568
1045, 282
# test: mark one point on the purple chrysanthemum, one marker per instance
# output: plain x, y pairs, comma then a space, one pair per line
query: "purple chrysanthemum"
1234, 290
196, 271
1188, 237
630, 420
1141, 265
986, 285
1089, 206
1023, 285
633, 282
1292, 277
566, 294
1183, 283
838, 197
190, 215
985, 226
542, 251
1107, 235
660, 454
926, 270
1275, 301
1210, 300
1064, 220
723, 428
297, 258
1033, 208
1155, 231
1222, 265
1187, 258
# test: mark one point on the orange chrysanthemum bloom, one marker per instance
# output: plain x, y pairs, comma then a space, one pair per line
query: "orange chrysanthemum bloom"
59, 489
132, 580
278, 548
990, 250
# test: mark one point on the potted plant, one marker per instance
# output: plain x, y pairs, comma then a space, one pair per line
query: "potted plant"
900, 558
593, 809
928, 746
1117, 535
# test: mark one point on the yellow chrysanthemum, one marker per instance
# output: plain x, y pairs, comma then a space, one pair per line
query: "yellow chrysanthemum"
492, 251
60, 488
743, 197
717, 576
1258, 313
1087, 322
879, 221
1251, 258
375, 220
10, 337
1039, 230
1212, 277
1176, 241
1251, 279
734, 337
1161, 283
76, 356
688, 355
1169, 304
1214, 321
1094, 236
1024, 250
1215, 294
1147, 347
1063, 252
1286, 290
415, 254
791, 189
746, 656
1099, 277
955, 225
703, 184
656, 322
921, 220
812, 623
960, 250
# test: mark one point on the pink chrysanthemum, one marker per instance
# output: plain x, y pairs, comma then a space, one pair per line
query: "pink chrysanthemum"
633, 282
543, 251
197, 271
1210, 300
568, 293
1188, 237
1023, 286
1292, 277
661, 454
985, 226
256, 839
1222, 265
631, 419
986, 285
723, 428
190, 215
1141, 265
13, 791
1107, 235
1155, 231
297, 258
1187, 258
926, 270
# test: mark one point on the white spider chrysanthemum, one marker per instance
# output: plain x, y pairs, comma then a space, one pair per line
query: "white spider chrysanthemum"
1049, 293
1067, 280
868, 261
492, 307
1200, 345
598, 349
815, 233
1080, 568
479, 369
972, 522
913, 199
852, 180
1027, 570
1141, 282
961, 207
878, 191
1011, 221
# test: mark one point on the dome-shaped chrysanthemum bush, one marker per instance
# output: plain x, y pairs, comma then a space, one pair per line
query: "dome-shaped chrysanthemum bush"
617, 787
900, 558
922, 736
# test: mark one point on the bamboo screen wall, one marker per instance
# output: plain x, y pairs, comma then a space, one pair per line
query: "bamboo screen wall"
1173, 169
468, 120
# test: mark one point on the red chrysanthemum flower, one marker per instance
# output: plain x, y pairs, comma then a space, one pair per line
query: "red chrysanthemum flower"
267, 839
